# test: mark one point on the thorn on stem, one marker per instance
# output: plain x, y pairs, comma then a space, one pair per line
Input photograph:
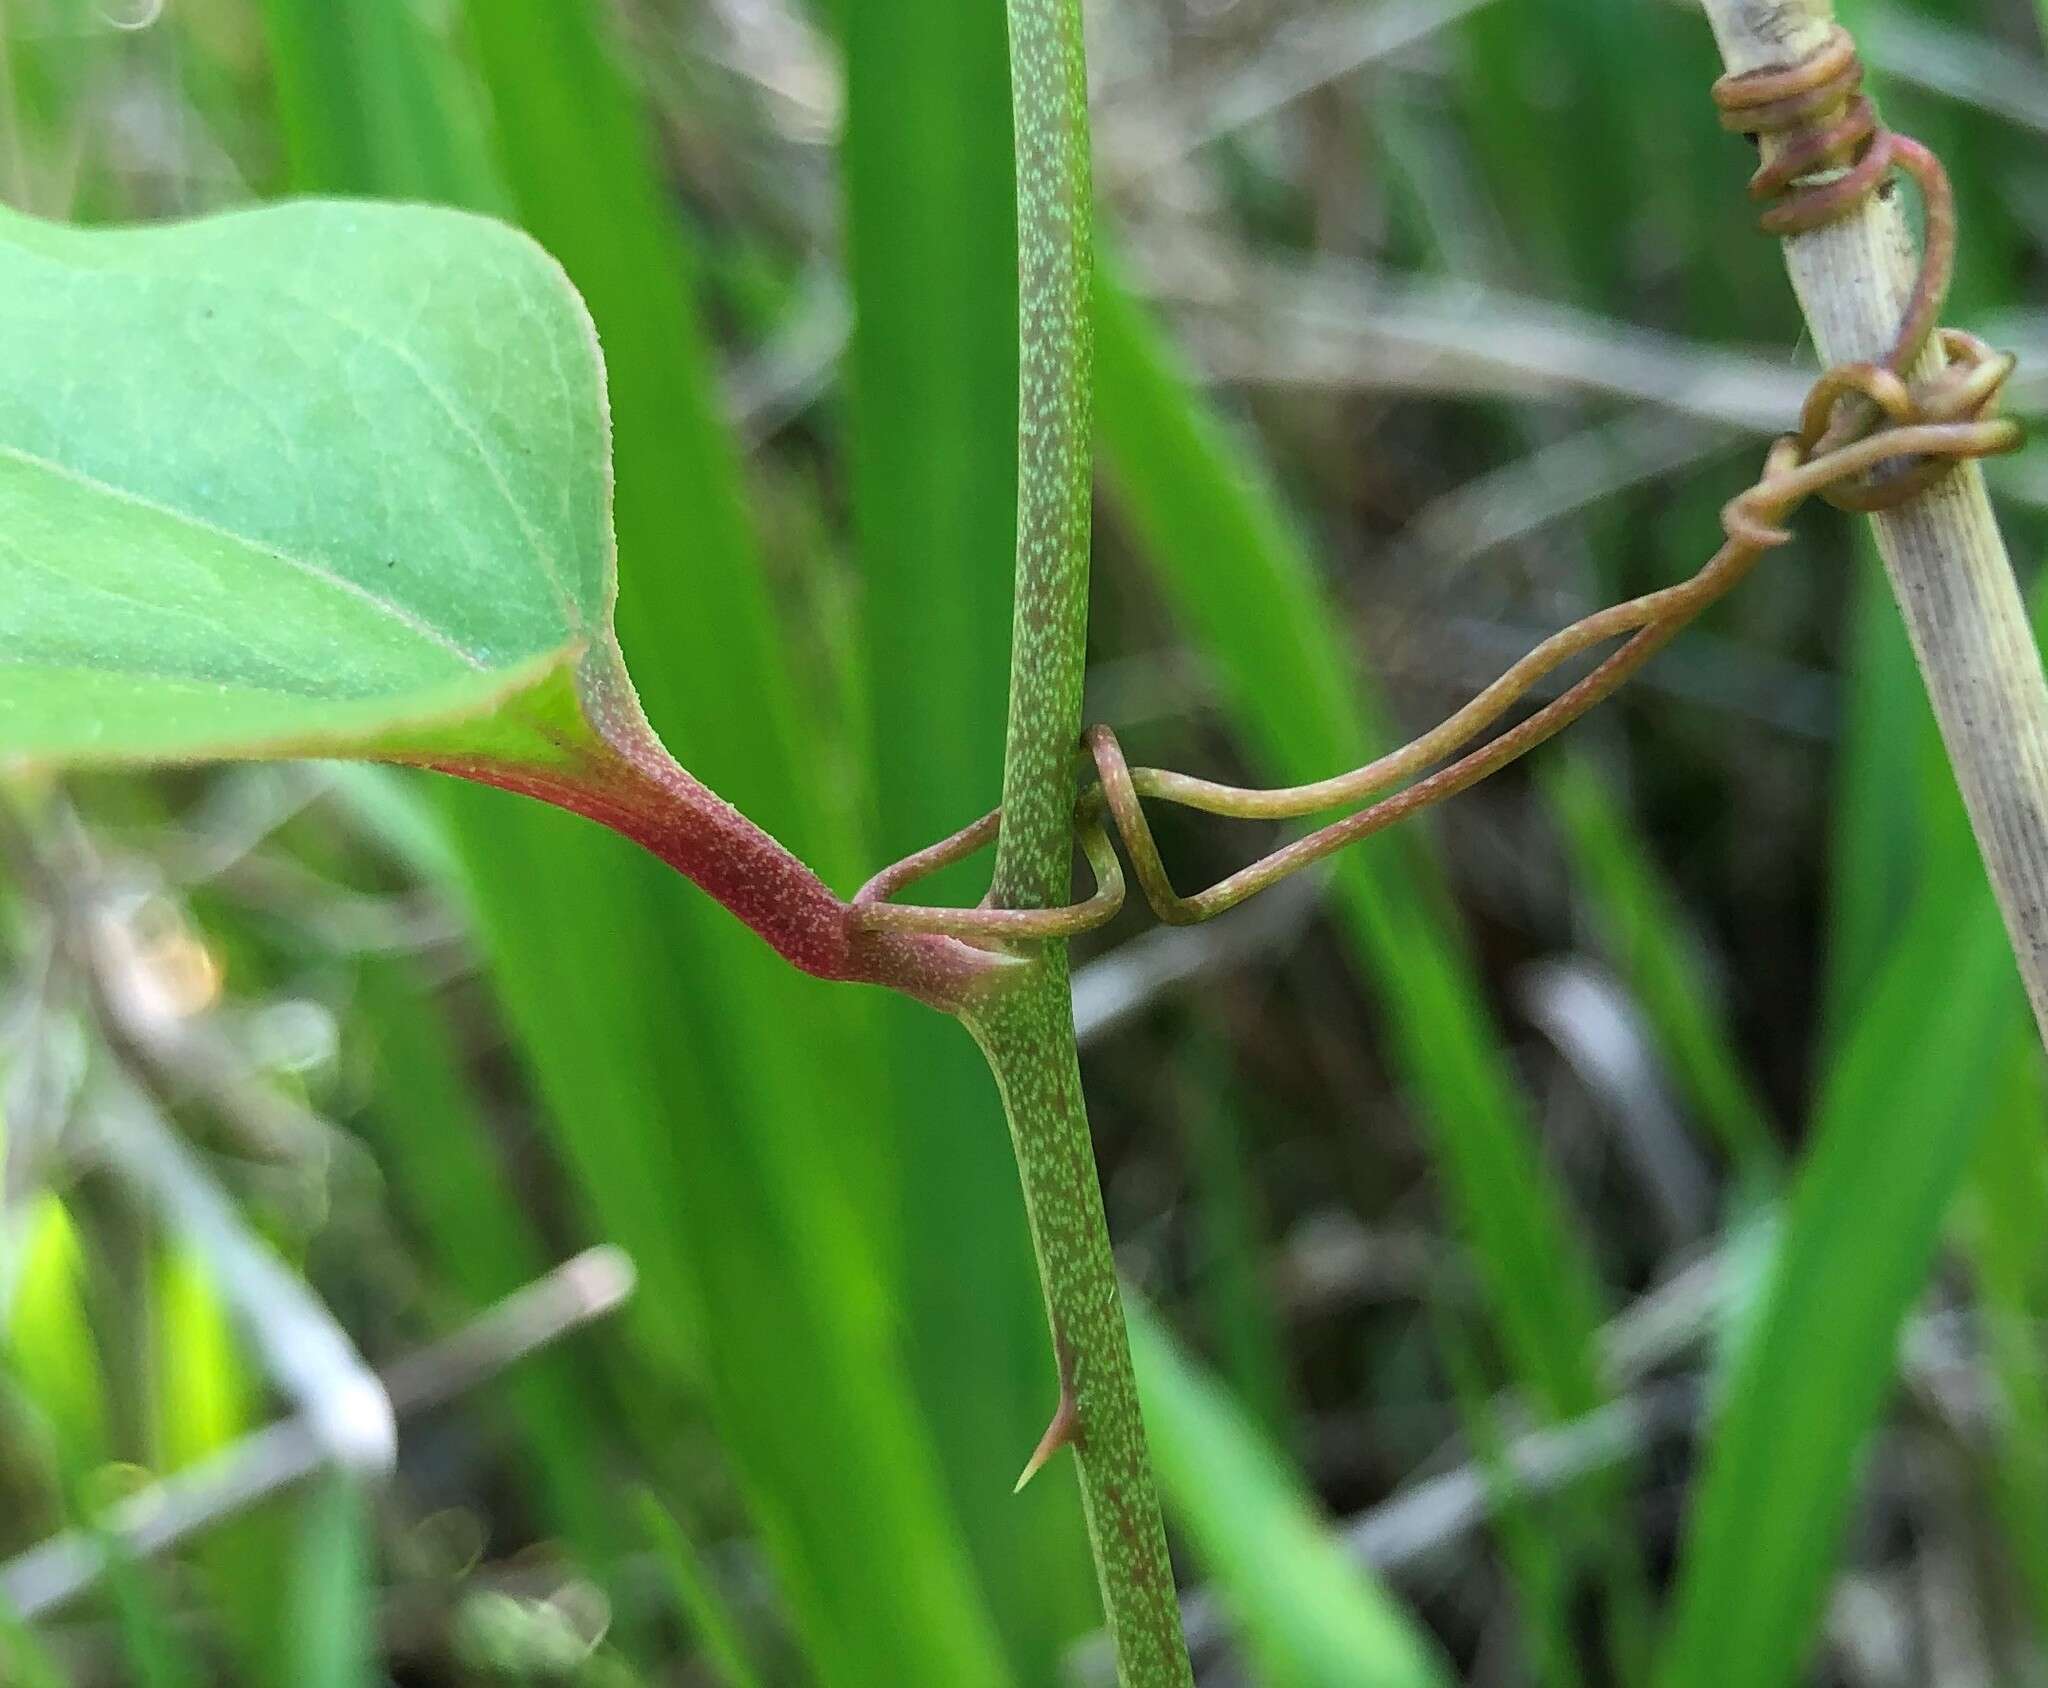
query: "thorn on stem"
1063, 1431
1065, 1428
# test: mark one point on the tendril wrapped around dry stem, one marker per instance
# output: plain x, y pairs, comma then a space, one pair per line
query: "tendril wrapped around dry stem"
1869, 437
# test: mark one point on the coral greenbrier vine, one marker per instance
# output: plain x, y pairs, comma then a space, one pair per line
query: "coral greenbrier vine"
1869, 438
565, 724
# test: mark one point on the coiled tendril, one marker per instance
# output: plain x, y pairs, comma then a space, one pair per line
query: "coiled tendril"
1870, 437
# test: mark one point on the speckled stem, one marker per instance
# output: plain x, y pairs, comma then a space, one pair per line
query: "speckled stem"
1049, 91
1028, 1037
1027, 1030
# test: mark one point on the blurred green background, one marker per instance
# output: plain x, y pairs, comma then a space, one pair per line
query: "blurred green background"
1595, 1236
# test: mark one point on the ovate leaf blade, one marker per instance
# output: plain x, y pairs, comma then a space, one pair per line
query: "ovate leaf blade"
318, 478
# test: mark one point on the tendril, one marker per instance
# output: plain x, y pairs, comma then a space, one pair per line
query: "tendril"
1870, 437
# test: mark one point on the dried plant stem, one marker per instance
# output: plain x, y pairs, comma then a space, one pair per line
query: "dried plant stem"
1942, 550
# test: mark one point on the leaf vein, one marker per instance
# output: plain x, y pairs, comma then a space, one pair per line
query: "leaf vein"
303, 565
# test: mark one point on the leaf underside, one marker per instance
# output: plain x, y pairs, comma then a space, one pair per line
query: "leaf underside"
321, 478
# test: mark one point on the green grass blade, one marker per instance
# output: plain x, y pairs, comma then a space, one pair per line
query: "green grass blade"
1244, 1324
330, 1607
1878, 819
1510, 95
47, 1341
2008, 1215
1308, 1616
931, 236
932, 248
1895, 1133
1643, 930
746, 1177
1537, 1560
204, 1398
811, 1362
155, 1655
425, 1126
28, 1664
697, 1598
367, 93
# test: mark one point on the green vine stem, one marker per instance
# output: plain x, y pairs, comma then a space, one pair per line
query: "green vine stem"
1027, 1030
1055, 453
1028, 1037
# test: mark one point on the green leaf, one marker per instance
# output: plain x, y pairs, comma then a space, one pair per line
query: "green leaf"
340, 485
320, 478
